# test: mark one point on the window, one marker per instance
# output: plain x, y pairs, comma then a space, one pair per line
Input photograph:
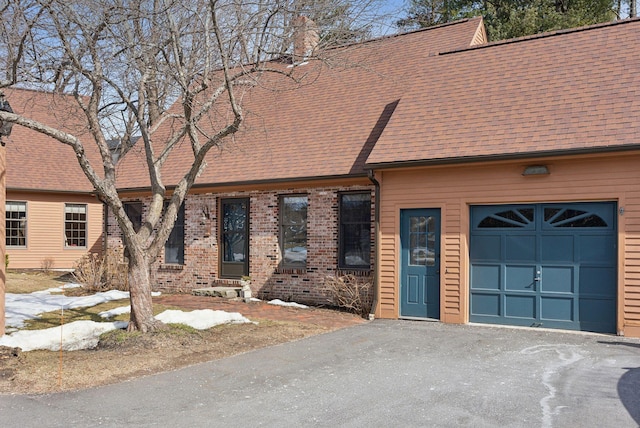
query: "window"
422, 241
75, 225
134, 212
174, 247
293, 231
355, 230
16, 224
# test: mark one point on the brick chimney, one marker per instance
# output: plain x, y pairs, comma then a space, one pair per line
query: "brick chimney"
305, 38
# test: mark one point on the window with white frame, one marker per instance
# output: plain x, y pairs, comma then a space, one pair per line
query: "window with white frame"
16, 224
293, 230
75, 225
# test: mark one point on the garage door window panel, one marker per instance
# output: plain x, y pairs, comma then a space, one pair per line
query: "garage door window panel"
507, 218
596, 216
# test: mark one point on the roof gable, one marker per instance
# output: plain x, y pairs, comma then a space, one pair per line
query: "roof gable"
325, 127
40, 163
569, 91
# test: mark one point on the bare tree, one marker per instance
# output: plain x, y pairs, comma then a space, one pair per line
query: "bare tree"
127, 61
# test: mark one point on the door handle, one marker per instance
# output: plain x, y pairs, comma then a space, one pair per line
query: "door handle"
537, 277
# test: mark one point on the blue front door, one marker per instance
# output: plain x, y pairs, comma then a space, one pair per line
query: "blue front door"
420, 270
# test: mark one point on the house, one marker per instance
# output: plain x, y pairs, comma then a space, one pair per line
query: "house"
509, 185
52, 215
471, 182
287, 201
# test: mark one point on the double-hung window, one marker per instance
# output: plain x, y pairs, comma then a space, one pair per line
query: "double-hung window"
16, 224
355, 230
75, 225
293, 230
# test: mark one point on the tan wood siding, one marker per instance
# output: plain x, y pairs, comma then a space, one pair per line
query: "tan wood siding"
608, 177
45, 230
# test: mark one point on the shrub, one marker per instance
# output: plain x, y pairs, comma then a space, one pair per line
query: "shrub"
350, 292
47, 264
101, 273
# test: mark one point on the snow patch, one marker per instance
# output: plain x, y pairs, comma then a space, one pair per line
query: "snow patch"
115, 312
73, 336
201, 319
279, 302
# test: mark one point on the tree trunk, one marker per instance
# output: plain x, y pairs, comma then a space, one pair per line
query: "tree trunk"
140, 290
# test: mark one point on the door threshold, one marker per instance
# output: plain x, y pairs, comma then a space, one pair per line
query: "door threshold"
419, 319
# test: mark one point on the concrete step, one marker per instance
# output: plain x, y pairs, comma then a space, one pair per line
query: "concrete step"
227, 292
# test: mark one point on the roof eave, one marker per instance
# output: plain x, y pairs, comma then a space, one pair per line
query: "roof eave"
51, 191
499, 157
248, 183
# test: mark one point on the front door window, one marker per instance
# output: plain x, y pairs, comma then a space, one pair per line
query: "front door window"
234, 238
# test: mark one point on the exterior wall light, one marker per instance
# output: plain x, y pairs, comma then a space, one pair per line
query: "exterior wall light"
536, 170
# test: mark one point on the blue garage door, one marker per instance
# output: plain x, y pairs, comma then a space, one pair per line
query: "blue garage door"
544, 265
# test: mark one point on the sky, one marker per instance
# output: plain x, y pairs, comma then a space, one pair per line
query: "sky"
85, 334
396, 9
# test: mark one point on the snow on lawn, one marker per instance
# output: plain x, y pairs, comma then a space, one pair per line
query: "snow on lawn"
115, 312
21, 307
76, 335
201, 319
84, 334
279, 302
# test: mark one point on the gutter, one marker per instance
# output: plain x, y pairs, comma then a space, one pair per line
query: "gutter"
459, 160
376, 276
246, 183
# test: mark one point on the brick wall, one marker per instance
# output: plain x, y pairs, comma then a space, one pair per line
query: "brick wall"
268, 280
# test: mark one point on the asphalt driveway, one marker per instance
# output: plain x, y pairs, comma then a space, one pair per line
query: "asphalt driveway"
380, 374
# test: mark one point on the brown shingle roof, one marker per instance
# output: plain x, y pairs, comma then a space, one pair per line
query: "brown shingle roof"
323, 129
38, 162
569, 91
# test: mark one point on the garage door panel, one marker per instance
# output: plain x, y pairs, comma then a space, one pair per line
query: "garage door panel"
556, 309
487, 305
597, 315
520, 247
557, 248
557, 279
485, 277
520, 307
520, 278
597, 248
596, 280
487, 247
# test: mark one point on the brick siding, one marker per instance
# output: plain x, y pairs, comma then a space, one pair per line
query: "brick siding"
268, 279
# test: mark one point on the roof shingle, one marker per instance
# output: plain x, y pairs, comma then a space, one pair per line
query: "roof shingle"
325, 128
575, 90
36, 162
